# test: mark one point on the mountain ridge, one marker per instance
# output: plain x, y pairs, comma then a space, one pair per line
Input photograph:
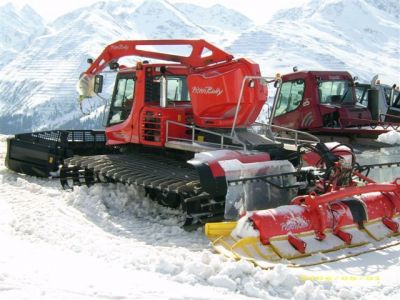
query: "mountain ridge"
39, 73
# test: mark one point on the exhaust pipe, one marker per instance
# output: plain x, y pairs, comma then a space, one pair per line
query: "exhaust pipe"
373, 103
163, 91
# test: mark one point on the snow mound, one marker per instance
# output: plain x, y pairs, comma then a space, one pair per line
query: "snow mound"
392, 137
110, 242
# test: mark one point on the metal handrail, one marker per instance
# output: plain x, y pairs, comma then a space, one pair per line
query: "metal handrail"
296, 140
266, 79
194, 128
313, 139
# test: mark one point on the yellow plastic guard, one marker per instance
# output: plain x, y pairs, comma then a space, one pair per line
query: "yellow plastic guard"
332, 248
331, 243
215, 230
251, 248
378, 230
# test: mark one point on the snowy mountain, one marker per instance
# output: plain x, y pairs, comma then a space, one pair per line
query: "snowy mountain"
41, 62
18, 28
39, 84
216, 17
391, 7
351, 35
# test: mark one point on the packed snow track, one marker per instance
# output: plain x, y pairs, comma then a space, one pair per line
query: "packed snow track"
110, 242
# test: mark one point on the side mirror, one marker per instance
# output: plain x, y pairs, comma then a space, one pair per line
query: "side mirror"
98, 84
113, 65
319, 80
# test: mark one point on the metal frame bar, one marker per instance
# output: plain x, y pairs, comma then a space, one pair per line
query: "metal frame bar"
267, 80
296, 140
194, 128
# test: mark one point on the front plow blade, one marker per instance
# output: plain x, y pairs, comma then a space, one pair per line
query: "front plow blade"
248, 248
380, 229
286, 249
376, 236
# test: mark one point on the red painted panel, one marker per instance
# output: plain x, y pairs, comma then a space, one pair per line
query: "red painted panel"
214, 94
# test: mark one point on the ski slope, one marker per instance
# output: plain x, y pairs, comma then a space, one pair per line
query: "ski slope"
110, 242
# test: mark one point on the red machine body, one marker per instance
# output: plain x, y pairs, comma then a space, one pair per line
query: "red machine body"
338, 213
215, 92
322, 101
337, 203
334, 210
202, 89
212, 175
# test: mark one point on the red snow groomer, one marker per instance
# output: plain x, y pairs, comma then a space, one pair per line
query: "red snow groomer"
192, 97
195, 101
324, 103
341, 213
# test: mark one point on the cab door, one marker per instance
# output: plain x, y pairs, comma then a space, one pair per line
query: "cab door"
119, 123
288, 111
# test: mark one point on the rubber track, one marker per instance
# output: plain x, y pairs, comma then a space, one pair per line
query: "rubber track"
165, 177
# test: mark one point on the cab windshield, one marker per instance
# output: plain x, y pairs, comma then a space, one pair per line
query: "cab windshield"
391, 93
335, 92
290, 97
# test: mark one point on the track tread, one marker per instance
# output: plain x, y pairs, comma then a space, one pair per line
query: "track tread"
163, 176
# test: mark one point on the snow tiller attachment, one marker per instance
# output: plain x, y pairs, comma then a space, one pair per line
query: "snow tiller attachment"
342, 213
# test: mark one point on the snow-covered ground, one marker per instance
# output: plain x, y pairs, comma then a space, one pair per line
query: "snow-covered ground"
110, 242
391, 137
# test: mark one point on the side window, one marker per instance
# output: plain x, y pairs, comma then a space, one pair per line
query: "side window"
290, 97
122, 101
362, 95
387, 92
177, 89
335, 92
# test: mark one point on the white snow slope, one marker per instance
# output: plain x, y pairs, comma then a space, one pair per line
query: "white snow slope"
41, 62
110, 242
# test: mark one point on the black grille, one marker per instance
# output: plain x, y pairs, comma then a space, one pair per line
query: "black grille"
55, 138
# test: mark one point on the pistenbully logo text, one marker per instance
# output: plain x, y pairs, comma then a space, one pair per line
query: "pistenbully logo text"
119, 47
207, 90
